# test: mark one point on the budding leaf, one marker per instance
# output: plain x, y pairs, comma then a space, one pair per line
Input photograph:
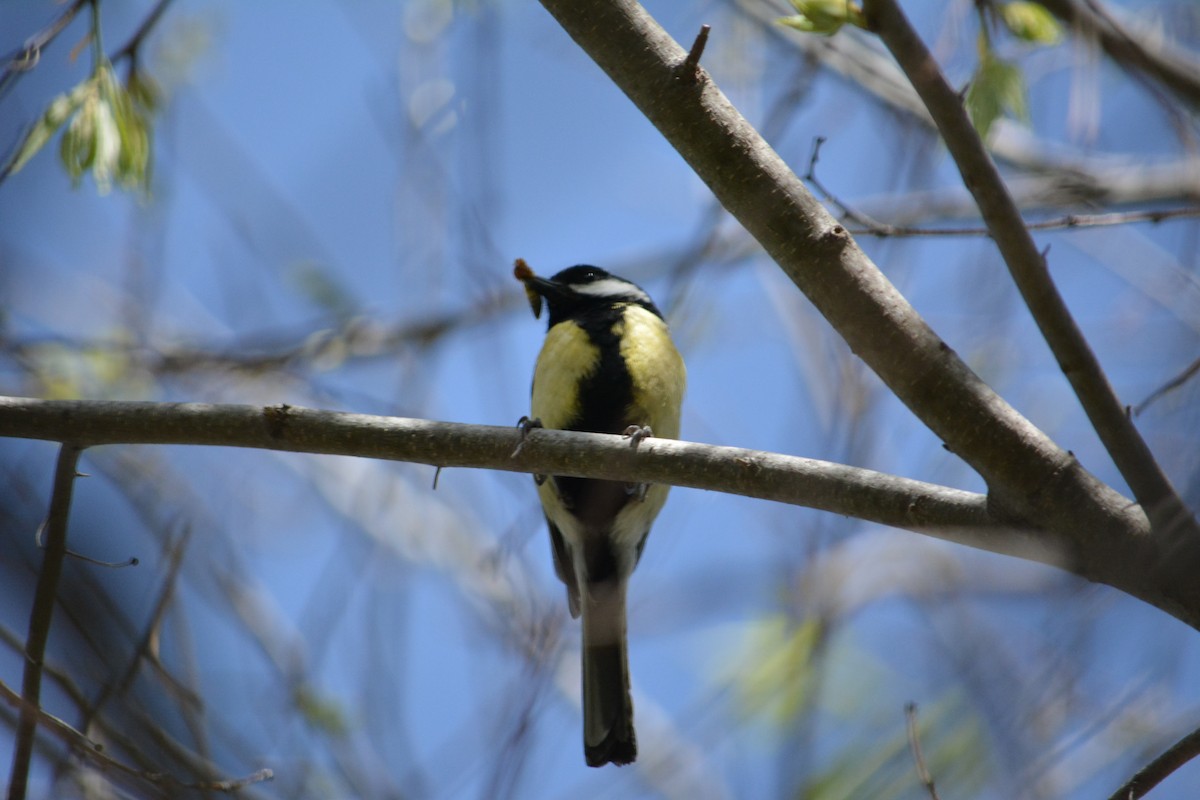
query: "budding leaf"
78, 147
825, 17
1031, 22
144, 91
43, 130
106, 131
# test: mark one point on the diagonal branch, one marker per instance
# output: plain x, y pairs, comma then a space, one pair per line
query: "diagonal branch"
94, 754
40, 616
132, 47
30, 54
1161, 768
1028, 475
1170, 65
866, 65
1169, 515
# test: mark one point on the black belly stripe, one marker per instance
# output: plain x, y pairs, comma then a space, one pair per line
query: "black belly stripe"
604, 399
606, 394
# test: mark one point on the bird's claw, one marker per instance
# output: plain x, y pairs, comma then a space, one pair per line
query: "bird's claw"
636, 433
526, 424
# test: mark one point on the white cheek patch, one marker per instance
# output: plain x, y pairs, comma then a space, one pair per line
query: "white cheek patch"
612, 288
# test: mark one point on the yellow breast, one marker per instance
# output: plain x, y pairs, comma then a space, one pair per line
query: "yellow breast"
659, 376
568, 356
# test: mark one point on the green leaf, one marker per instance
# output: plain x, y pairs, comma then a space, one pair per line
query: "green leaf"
107, 131
1031, 22
132, 132
998, 89
78, 147
43, 130
144, 91
778, 678
319, 286
320, 711
825, 17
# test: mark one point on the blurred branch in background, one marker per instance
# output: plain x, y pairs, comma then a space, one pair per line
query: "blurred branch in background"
929, 208
30, 54
1150, 52
334, 231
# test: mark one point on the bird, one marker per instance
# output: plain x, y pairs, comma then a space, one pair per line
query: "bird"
607, 365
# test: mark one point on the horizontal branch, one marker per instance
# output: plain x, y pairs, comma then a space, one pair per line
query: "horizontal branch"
860, 493
1127, 560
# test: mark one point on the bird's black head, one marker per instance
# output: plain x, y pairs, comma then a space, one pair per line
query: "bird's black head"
582, 288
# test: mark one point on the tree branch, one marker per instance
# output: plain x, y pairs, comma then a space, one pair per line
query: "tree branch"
914, 744
1121, 184
55, 549
1029, 477
1119, 558
1169, 516
861, 493
1171, 66
96, 756
134, 44
933, 204
1082, 176
1160, 768
30, 54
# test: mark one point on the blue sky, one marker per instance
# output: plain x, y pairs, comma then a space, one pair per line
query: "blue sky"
406, 153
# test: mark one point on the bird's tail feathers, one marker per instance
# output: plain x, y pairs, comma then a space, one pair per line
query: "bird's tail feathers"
608, 735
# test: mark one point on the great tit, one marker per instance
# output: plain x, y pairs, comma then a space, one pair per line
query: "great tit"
608, 365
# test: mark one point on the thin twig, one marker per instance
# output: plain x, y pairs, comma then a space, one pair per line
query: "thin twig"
116, 736
133, 45
869, 226
690, 69
1160, 768
848, 213
1169, 515
132, 561
1169, 386
30, 54
914, 744
94, 753
166, 596
41, 615
852, 55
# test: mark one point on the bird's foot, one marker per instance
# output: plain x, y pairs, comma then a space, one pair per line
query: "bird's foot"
527, 424
635, 434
